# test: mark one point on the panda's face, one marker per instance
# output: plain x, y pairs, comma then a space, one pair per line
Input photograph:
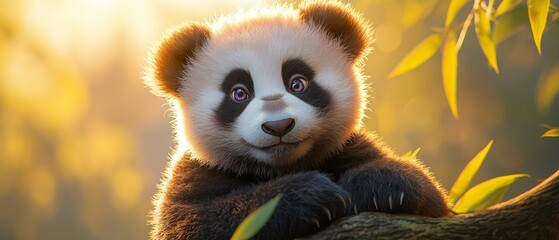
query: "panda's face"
271, 93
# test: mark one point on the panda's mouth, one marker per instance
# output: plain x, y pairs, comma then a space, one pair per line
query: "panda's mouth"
279, 145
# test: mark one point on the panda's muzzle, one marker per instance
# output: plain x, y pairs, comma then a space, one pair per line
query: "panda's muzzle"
278, 128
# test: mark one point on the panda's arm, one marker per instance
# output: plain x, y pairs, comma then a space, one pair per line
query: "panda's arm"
378, 180
204, 203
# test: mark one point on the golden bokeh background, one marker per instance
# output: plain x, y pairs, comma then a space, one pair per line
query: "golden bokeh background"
83, 142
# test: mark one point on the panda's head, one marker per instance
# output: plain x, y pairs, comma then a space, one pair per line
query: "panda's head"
265, 91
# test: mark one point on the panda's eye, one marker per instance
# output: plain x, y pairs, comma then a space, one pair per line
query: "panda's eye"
239, 93
298, 83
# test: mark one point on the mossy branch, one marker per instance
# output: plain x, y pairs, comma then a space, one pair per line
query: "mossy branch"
532, 215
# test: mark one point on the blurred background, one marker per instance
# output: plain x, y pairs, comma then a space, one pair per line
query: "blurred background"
83, 142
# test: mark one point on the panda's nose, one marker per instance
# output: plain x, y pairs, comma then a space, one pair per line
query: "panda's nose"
278, 128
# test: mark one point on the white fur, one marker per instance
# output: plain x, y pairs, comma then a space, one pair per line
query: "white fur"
260, 45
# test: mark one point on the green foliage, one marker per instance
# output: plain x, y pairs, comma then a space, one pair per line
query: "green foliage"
483, 195
492, 26
483, 31
506, 6
510, 23
552, 132
450, 72
465, 177
411, 154
547, 90
453, 9
256, 220
537, 12
415, 11
425, 50
486, 194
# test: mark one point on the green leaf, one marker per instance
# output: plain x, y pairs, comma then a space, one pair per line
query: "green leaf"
421, 53
547, 90
256, 220
453, 9
505, 6
411, 154
483, 30
555, 17
509, 24
414, 11
554, 132
537, 12
493, 199
449, 67
465, 177
486, 193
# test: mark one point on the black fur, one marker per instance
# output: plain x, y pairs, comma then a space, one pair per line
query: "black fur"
229, 110
314, 94
207, 203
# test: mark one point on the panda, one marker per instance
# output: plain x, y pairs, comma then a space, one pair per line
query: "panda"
271, 101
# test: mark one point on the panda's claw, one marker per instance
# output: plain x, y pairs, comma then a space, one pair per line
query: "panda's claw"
375, 202
316, 222
401, 198
343, 200
328, 213
390, 201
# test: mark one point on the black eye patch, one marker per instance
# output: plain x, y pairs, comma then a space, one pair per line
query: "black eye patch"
314, 94
228, 110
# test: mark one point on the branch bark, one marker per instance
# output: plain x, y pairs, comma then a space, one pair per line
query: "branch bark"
532, 215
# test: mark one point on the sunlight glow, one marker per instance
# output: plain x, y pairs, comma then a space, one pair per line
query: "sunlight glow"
127, 185
388, 37
83, 143
40, 186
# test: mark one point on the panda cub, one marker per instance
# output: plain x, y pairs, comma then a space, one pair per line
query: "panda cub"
270, 101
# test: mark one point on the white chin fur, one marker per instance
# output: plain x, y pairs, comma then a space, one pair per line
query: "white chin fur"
283, 154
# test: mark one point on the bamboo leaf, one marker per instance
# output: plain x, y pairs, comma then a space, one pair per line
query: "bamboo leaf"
483, 30
421, 53
554, 132
493, 199
505, 6
453, 9
449, 67
414, 11
486, 193
465, 177
411, 154
509, 24
537, 12
547, 90
256, 220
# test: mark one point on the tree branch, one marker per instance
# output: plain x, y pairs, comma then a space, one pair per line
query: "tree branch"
532, 215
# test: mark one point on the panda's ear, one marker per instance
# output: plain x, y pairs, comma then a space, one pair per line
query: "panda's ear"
339, 22
173, 55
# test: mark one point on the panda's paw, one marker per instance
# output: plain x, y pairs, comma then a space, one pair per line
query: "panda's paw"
311, 201
324, 213
389, 199
391, 191
393, 203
